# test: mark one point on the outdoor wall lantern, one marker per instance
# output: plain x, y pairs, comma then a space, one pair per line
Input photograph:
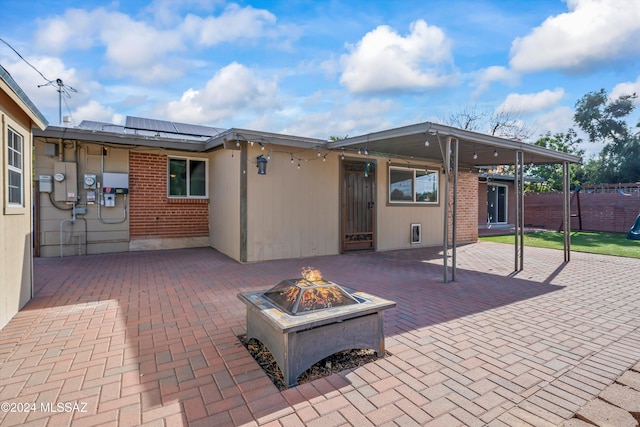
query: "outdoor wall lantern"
262, 165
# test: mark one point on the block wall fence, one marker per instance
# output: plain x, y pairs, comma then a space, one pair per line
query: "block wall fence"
610, 212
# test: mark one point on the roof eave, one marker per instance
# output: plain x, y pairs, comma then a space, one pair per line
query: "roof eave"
119, 139
14, 91
237, 134
430, 130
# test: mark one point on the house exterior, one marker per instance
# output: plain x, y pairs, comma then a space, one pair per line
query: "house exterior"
17, 117
153, 184
496, 207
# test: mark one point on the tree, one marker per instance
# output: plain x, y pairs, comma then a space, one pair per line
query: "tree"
552, 174
605, 120
333, 138
506, 124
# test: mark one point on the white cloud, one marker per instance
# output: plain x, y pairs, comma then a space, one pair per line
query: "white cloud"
136, 48
558, 120
132, 47
233, 24
143, 50
495, 73
75, 29
232, 89
626, 88
351, 118
45, 96
593, 31
383, 60
95, 111
167, 12
531, 102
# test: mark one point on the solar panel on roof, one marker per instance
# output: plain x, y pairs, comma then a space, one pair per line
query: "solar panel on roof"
101, 126
189, 129
150, 124
170, 127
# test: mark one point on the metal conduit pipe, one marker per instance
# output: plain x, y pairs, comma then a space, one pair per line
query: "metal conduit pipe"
73, 220
101, 201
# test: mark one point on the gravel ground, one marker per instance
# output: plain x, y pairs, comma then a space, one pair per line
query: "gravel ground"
335, 363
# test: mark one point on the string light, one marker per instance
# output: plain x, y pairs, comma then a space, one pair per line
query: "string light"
495, 153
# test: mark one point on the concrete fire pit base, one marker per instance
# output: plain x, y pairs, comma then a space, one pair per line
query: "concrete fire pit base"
297, 342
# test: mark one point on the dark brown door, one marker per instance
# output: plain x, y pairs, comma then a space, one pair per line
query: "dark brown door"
358, 205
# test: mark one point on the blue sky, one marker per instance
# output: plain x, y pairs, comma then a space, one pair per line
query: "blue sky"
322, 68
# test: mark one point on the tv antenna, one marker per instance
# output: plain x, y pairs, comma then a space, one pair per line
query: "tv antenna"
62, 90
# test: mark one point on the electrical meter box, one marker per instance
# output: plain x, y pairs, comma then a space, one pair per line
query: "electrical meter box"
115, 183
89, 181
65, 184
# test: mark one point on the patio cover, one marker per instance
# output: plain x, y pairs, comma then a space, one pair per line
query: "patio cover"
458, 148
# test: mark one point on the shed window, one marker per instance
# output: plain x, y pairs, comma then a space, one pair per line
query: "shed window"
410, 185
187, 178
15, 187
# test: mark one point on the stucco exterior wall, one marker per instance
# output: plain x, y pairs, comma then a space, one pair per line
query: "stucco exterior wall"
224, 208
15, 222
97, 237
292, 212
394, 221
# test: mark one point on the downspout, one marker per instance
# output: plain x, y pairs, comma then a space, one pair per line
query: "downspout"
101, 201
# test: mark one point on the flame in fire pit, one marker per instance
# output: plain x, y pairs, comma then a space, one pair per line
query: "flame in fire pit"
309, 293
311, 274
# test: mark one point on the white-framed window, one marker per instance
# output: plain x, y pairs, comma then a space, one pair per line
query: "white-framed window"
413, 185
15, 169
187, 177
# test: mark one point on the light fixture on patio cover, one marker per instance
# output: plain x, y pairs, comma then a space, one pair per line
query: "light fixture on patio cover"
262, 165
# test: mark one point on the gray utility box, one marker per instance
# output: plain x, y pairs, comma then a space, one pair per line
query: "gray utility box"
115, 183
65, 182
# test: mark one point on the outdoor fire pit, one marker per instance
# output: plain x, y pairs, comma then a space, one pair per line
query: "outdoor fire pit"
302, 321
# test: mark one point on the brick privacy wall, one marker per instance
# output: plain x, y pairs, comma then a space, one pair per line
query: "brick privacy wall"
467, 224
151, 213
612, 212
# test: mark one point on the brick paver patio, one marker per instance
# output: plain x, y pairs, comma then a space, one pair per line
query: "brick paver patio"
150, 338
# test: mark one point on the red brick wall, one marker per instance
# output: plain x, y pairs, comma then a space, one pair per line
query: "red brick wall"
467, 224
611, 212
151, 213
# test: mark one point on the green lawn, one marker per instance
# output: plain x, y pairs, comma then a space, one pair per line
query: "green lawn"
581, 241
